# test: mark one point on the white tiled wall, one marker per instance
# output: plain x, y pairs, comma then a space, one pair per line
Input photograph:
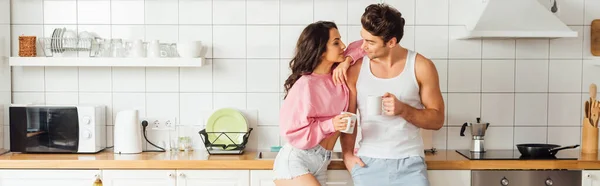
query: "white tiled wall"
4, 68
530, 90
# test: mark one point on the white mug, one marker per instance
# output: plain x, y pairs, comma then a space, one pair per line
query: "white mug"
138, 49
374, 105
154, 49
350, 124
189, 49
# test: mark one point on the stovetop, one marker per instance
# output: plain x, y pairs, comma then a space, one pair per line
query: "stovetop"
510, 155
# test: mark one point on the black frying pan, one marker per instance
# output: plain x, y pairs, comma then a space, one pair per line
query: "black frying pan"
541, 150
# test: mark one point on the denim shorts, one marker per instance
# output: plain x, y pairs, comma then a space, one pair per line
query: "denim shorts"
383, 172
292, 162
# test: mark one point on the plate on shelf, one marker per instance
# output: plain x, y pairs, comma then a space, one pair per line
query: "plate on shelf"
53, 41
230, 122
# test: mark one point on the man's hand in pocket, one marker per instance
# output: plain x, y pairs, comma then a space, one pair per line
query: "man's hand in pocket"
351, 160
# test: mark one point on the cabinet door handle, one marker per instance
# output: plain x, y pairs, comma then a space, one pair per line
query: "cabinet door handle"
588, 175
181, 175
170, 174
97, 181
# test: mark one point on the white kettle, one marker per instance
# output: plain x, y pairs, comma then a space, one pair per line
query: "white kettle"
128, 133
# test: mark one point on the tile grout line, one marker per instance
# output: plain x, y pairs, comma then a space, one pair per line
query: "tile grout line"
44, 33
178, 119
548, 93
77, 31
447, 68
112, 97
212, 65
582, 56
146, 78
514, 97
279, 70
246, 48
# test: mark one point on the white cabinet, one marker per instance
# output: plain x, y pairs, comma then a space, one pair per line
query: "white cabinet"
139, 177
334, 178
213, 177
449, 177
261, 178
175, 178
12, 177
343, 178
590, 178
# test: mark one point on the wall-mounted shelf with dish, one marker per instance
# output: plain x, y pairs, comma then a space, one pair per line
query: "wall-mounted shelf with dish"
105, 62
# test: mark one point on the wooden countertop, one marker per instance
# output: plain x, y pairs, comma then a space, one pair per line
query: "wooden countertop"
441, 160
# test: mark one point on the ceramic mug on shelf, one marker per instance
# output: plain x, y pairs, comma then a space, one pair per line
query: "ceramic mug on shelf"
190, 49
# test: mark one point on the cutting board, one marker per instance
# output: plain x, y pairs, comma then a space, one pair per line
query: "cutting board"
595, 37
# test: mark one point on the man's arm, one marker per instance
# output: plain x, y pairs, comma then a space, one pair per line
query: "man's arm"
432, 116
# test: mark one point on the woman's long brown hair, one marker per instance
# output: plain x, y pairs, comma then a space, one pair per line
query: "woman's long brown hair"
310, 48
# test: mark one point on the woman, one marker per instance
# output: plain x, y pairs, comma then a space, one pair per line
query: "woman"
310, 115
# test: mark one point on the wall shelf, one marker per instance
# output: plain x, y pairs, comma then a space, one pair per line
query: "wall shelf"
105, 62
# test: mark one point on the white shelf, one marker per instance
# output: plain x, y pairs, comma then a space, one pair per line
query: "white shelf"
105, 62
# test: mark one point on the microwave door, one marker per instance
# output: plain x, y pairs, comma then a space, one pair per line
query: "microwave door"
53, 130
37, 131
33, 120
63, 129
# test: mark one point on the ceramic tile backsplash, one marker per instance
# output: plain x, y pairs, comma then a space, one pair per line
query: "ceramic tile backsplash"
5, 71
530, 90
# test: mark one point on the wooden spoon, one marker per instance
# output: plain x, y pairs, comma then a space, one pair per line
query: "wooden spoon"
595, 115
593, 91
587, 109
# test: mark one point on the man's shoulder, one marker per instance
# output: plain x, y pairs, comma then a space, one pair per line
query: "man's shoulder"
423, 63
353, 72
355, 69
424, 68
420, 59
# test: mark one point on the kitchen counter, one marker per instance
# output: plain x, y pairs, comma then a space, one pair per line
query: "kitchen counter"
440, 160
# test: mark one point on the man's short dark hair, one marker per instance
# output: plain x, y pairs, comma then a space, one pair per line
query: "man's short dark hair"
384, 21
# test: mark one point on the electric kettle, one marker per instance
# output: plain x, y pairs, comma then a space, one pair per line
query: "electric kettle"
128, 133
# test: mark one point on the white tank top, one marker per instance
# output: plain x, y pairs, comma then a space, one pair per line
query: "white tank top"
389, 137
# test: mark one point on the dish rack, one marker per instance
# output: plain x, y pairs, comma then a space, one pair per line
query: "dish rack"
51, 46
215, 148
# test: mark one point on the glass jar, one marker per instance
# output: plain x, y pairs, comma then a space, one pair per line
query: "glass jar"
185, 143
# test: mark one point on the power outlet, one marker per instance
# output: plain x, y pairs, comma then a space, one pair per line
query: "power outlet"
161, 123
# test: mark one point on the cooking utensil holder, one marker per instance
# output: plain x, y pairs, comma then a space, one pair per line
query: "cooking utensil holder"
589, 143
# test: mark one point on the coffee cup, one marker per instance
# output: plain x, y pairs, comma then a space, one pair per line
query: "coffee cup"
374, 105
350, 124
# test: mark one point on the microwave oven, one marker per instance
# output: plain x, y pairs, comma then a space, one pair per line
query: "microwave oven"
57, 128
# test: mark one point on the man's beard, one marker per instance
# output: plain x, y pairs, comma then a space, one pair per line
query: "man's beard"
377, 56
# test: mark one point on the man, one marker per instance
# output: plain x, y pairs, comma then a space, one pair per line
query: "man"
391, 149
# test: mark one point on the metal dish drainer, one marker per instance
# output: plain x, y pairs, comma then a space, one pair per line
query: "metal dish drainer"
216, 148
51, 46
